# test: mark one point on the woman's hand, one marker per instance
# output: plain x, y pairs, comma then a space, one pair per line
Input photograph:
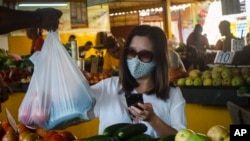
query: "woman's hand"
146, 113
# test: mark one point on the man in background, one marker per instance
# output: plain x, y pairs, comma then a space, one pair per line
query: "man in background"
112, 56
87, 50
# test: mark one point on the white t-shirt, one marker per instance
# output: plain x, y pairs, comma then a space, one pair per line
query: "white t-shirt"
111, 107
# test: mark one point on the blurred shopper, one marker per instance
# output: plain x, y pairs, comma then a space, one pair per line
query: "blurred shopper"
121, 41
71, 38
200, 43
85, 50
45, 18
112, 56
248, 39
196, 39
175, 59
35, 34
143, 71
224, 44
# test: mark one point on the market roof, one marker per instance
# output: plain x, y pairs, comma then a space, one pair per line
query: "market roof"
117, 5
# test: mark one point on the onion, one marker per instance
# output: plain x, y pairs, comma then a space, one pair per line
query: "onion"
10, 136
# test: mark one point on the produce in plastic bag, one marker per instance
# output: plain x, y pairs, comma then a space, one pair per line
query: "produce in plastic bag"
58, 93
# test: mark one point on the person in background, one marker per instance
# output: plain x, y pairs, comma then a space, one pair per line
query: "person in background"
248, 39
35, 34
44, 18
200, 43
111, 59
121, 41
143, 71
68, 44
196, 39
175, 59
84, 50
71, 38
224, 44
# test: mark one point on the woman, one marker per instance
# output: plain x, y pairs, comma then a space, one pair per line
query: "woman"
111, 59
143, 70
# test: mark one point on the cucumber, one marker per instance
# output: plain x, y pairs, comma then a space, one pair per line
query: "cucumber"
110, 130
130, 130
100, 138
140, 137
168, 138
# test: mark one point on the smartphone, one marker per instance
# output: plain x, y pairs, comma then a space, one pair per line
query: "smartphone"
134, 99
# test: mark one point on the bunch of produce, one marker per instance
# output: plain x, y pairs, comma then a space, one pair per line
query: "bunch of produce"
127, 132
15, 71
214, 133
95, 77
123, 132
176, 73
217, 76
16, 75
7, 133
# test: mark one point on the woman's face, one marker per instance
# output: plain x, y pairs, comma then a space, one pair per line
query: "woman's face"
139, 43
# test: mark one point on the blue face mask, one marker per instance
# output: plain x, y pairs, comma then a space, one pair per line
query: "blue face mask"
138, 68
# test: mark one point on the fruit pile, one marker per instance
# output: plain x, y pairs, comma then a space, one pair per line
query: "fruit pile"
15, 75
214, 133
217, 76
95, 77
176, 73
7, 133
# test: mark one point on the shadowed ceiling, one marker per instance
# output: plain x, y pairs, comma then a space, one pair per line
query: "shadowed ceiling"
117, 5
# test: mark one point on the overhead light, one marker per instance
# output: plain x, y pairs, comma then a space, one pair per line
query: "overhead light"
41, 4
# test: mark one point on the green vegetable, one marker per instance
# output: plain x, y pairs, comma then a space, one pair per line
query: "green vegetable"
168, 138
130, 130
100, 138
110, 130
243, 89
140, 137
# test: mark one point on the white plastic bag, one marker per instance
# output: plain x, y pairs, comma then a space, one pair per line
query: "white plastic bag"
58, 93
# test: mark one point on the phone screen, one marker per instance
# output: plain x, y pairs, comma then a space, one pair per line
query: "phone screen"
134, 99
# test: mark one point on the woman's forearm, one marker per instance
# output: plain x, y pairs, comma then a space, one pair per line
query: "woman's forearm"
162, 129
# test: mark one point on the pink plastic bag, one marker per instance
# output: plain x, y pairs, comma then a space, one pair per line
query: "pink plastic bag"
58, 93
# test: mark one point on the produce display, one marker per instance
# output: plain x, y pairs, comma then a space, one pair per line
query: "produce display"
115, 132
95, 77
177, 73
219, 75
7, 133
123, 132
214, 133
135, 132
15, 71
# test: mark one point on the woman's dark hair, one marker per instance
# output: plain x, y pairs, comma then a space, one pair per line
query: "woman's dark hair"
160, 74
